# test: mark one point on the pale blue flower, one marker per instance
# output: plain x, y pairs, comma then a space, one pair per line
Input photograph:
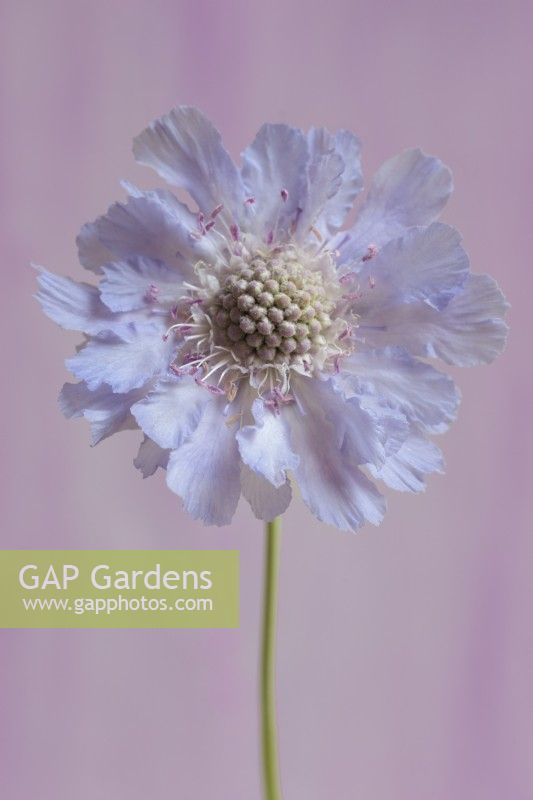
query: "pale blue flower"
254, 343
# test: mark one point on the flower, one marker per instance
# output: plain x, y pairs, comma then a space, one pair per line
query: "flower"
254, 342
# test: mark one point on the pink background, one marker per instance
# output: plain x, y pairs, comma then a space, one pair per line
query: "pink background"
405, 653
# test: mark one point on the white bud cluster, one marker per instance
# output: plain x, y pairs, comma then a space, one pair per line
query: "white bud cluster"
271, 310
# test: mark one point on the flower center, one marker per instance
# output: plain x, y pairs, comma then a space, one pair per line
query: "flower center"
271, 309
267, 313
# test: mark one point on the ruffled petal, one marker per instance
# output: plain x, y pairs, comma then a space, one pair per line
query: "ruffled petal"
405, 470
74, 306
276, 161
409, 189
265, 446
205, 470
153, 224
332, 485
266, 500
125, 359
106, 411
470, 330
172, 411
138, 283
334, 179
428, 265
392, 376
186, 150
150, 457
362, 432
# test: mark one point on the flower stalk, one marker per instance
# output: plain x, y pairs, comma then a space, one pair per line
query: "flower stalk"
272, 789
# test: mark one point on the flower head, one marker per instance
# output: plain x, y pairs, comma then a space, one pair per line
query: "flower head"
253, 342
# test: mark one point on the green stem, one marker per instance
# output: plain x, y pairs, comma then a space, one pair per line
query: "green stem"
268, 665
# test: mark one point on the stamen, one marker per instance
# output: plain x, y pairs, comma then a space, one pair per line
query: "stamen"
371, 252
216, 390
151, 293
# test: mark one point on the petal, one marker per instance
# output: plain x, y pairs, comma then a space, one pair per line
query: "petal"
334, 179
186, 150
405, 470
106, 411
172, 411
138, 283
470, 330
265, 446
266, 501
428, 265
392, 376
205, 470
324, 179
275, 161
74, 306
332, 485
150, 457
125, 359
361, 432
152, 224
409, 189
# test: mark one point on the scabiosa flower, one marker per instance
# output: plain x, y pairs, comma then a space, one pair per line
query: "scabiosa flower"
254, 343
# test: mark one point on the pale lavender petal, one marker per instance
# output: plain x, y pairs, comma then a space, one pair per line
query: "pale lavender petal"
361, 432
274, 175
405, 470
125, 360
106, 411
334, 179
150, 457
392, 376
266, 500
332, 486
205, 470
72, 305
409, 189
139, 283
331, 483
172, 411
186, 150
265, 447
470, 330
153, 224
428, 265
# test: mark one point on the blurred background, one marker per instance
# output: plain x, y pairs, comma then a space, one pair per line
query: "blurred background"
405, 654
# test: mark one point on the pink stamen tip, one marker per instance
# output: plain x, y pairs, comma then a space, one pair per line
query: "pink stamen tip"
270, 237
165, 337
284, 195
234, 230
372, 251
211, 388
174, 312
347, 332
249, 201
216, 211
347, 278
210, 225
200, 217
